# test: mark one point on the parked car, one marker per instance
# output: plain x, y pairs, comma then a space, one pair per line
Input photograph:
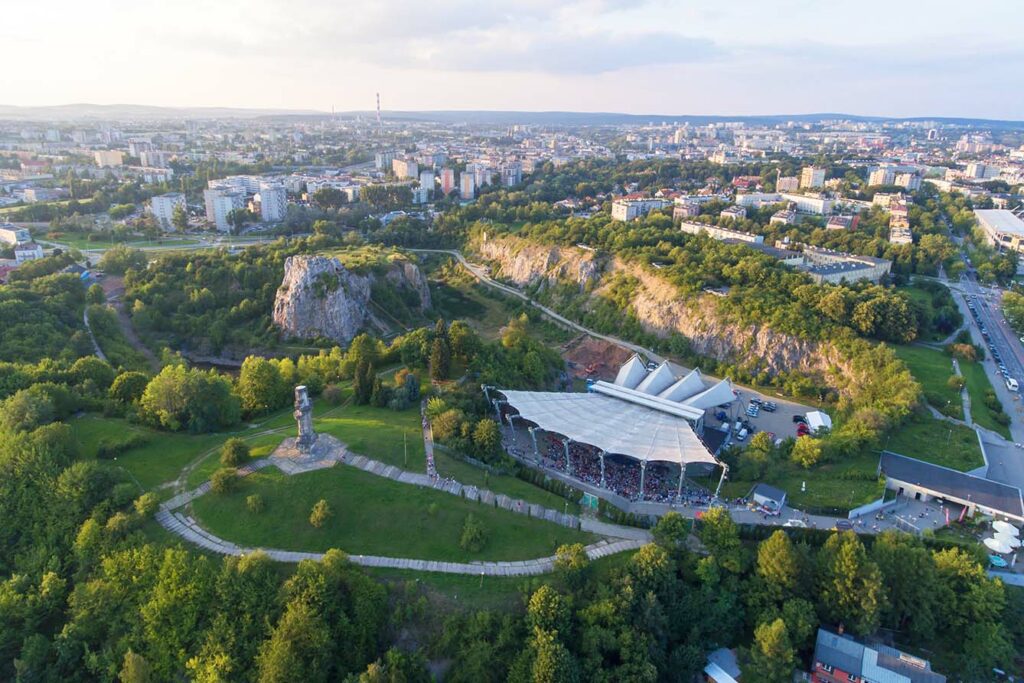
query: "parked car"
770, 407
799, 418
843, 525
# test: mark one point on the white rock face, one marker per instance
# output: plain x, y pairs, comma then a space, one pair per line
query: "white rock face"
320, 298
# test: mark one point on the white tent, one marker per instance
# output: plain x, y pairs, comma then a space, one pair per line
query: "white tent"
1007, 539
613, 425
716, 395
631, 373
997, 546
684, 388
656, 382
1002, 527
817, 420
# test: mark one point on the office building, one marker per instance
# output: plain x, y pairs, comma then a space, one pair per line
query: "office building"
106, 158
273, 202
812, 177
467, 186
162, 208
221, 202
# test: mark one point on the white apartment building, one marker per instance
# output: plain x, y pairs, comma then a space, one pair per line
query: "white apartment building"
29, 251
467, 186
813, 204
221, 202
405, 168
162, 208
721, 234
812, 176
756, 200
382, 160
908, 181
427, 182
736, 213
884, 175
273, 202
155, 158
11, 234
629, 209
106, 158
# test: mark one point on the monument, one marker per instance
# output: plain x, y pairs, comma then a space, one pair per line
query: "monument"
308, 450
304, 418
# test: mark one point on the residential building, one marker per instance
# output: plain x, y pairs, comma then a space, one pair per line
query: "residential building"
11, 234
975, 170
624, 209
221, 202
789, 183
839, 658
155, 158
40, 194
420, 195
427, 183
686, 210
467, 186
810, 203
783, 217
842, 222
27, 251
511, 174
1002, 228
812, 177
884, 175
382, 160
273, 202
405, 168
736, 213
826, 265
447, 181
106, 158
162, 208
908, 181
756, 200
720, 234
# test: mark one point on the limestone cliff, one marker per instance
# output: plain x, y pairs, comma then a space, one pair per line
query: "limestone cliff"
658, 306
320, 298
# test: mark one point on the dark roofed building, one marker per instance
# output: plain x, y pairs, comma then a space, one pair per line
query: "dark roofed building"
839, 658
923, 481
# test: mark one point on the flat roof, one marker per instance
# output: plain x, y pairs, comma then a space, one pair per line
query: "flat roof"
953, 484
1000, 220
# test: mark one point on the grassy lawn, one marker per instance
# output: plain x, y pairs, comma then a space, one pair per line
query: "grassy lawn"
932, 369
937, 441
512, 486
373, 516
930, 296
158, 460
977, 384
378, 433
79, 241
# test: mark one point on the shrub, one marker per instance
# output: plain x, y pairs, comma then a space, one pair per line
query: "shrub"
332, 394
234, 452
474, 535
224, 480
320, 514
147, 504
111, 447
254, 503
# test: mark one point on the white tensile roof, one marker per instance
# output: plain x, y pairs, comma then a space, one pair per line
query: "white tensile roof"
684, 387
657, 381
613, 425
631, 373
817, 419
709, 398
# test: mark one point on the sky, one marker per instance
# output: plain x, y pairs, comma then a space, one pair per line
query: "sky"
675, 57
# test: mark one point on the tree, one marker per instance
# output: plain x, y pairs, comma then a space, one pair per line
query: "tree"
260, 386
119, 259
362, 383
128, 387
234, 452
548, 610
320, 514
572, 564
850, 587
806, 452
778, 564
298, 647
772, 655
26, 410
474, 534
486, 437
909, 574
95, 295
135, 669
721, 537
552, 662
671, 532
440, 359
179, 218
224, 480
180, 397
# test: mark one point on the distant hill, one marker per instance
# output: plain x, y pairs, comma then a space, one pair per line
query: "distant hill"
113, 112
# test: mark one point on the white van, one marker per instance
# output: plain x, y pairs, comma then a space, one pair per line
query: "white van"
1012, 384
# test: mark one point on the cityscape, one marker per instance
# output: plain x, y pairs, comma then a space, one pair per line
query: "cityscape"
483, 371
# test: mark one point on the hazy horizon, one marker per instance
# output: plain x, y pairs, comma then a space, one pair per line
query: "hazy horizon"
670, 58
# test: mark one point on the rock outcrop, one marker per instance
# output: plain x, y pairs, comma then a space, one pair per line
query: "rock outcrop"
320, 298
658, 306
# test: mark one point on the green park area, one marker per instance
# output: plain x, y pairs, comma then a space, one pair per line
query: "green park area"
374, 516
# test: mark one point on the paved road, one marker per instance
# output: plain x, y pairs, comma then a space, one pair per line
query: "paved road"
95, 344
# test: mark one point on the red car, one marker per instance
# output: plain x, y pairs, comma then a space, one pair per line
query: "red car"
802, 429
